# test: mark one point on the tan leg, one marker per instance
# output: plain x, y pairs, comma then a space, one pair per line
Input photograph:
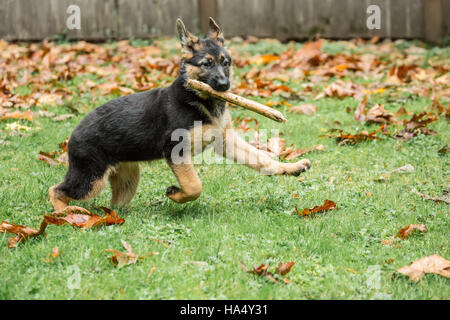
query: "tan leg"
57, 199
242, 152
124, 183
98, 185
191, 186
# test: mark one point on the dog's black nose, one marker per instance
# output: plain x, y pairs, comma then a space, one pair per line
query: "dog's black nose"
222, 84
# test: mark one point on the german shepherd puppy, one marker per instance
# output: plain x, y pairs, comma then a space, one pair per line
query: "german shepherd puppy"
110, 141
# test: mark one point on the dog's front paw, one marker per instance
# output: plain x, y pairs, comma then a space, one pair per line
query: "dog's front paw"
301, 166
172, 190
306, 163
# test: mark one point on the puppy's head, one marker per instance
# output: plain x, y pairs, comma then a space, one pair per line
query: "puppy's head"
206, 59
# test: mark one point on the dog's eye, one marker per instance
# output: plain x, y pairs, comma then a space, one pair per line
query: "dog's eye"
226, 63
208, 63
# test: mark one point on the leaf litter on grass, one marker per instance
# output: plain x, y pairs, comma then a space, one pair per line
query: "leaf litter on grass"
444, 198
269, 75
73, 215
326, 206
410, 229
405, 233
52, 256
82, 218
121, 259
263, 271
58, 157
23, 232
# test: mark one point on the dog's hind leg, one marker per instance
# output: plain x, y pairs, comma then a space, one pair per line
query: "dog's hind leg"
81, 183
124, 182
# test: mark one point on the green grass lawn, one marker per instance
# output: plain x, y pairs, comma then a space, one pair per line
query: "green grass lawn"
240, 216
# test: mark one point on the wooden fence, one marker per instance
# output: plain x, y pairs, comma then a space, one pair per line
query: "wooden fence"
283, 19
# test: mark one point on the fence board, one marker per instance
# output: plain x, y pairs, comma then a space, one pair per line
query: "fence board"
249, 17
154, 18
415, 19
434, 20
36, 20
329, 18
446, 14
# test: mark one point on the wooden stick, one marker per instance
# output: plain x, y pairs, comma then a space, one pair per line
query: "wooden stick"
238, 100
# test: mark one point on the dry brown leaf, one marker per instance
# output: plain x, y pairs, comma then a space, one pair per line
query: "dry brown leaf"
401, 74
63, 117
444, 198
347, 138
308, 109
431, 264
376, 114
285, 268
122, 259
49, 99
244, 123
360, 111
52, 256
252, 73
406, 168
152, 270
58, 157
327, 206
47, 159
81, 218
387, 242
113, 88
419, 121
299, 152
444, 149
262, 270
341, 89
408, 230
27, 115
264, 59
23, 232
417, 124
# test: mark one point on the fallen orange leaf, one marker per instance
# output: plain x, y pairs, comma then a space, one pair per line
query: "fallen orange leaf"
56, 157
82, 218
327, 205
299, 152
122, 259
264, 59
308, 109
52, 256
27, 115
408, 230
347, 138
285, 268
431, 264
23, 232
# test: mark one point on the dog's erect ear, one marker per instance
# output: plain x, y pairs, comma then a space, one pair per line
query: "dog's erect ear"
188, 40
214, 31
